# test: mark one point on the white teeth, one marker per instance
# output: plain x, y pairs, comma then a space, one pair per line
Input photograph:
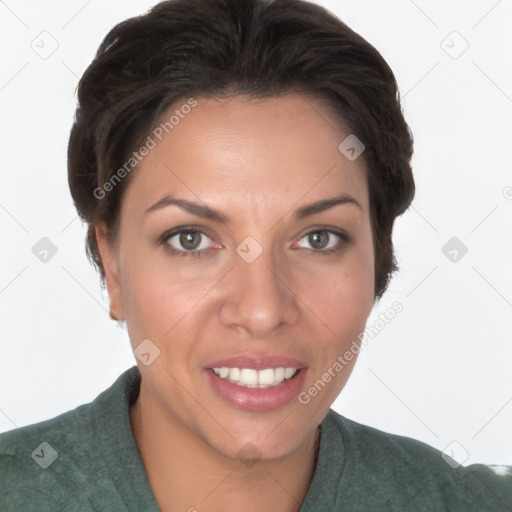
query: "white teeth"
266, 377
279, 374
289, 372
250, 378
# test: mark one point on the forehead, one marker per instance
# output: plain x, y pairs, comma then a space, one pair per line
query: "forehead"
243, 151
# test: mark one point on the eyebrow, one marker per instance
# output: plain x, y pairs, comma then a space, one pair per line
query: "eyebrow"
210, 213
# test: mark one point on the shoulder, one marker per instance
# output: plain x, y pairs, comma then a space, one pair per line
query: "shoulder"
406, 469
39, 463
60, 463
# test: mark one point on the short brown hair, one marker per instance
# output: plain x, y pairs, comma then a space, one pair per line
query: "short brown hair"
218, 48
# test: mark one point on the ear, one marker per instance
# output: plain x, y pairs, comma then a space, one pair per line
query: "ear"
109, 259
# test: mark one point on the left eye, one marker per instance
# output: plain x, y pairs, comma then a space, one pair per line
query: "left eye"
323, 239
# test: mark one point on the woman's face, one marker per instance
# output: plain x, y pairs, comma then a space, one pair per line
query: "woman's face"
261, 281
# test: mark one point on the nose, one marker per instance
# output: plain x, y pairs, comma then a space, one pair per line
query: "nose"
258, 297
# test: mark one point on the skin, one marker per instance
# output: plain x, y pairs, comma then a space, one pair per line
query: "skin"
257, 161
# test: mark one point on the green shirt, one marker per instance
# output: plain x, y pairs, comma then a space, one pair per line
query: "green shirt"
87, 460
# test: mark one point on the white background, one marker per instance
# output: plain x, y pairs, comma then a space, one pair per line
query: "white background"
440, 371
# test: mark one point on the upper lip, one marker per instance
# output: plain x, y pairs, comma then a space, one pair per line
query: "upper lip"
257, 362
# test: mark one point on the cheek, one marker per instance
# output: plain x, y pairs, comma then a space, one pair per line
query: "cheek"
160, 294
343, 304
147, 292
344, 294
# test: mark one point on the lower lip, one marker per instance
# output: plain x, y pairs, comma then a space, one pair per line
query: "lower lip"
257, 399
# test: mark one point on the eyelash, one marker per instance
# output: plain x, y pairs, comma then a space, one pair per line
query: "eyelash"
344, 240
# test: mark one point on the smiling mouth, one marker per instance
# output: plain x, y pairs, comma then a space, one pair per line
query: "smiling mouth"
246, 392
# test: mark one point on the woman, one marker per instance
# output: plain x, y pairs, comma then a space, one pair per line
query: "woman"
240, 165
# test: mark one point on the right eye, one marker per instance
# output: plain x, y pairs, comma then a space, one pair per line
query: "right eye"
186, 242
